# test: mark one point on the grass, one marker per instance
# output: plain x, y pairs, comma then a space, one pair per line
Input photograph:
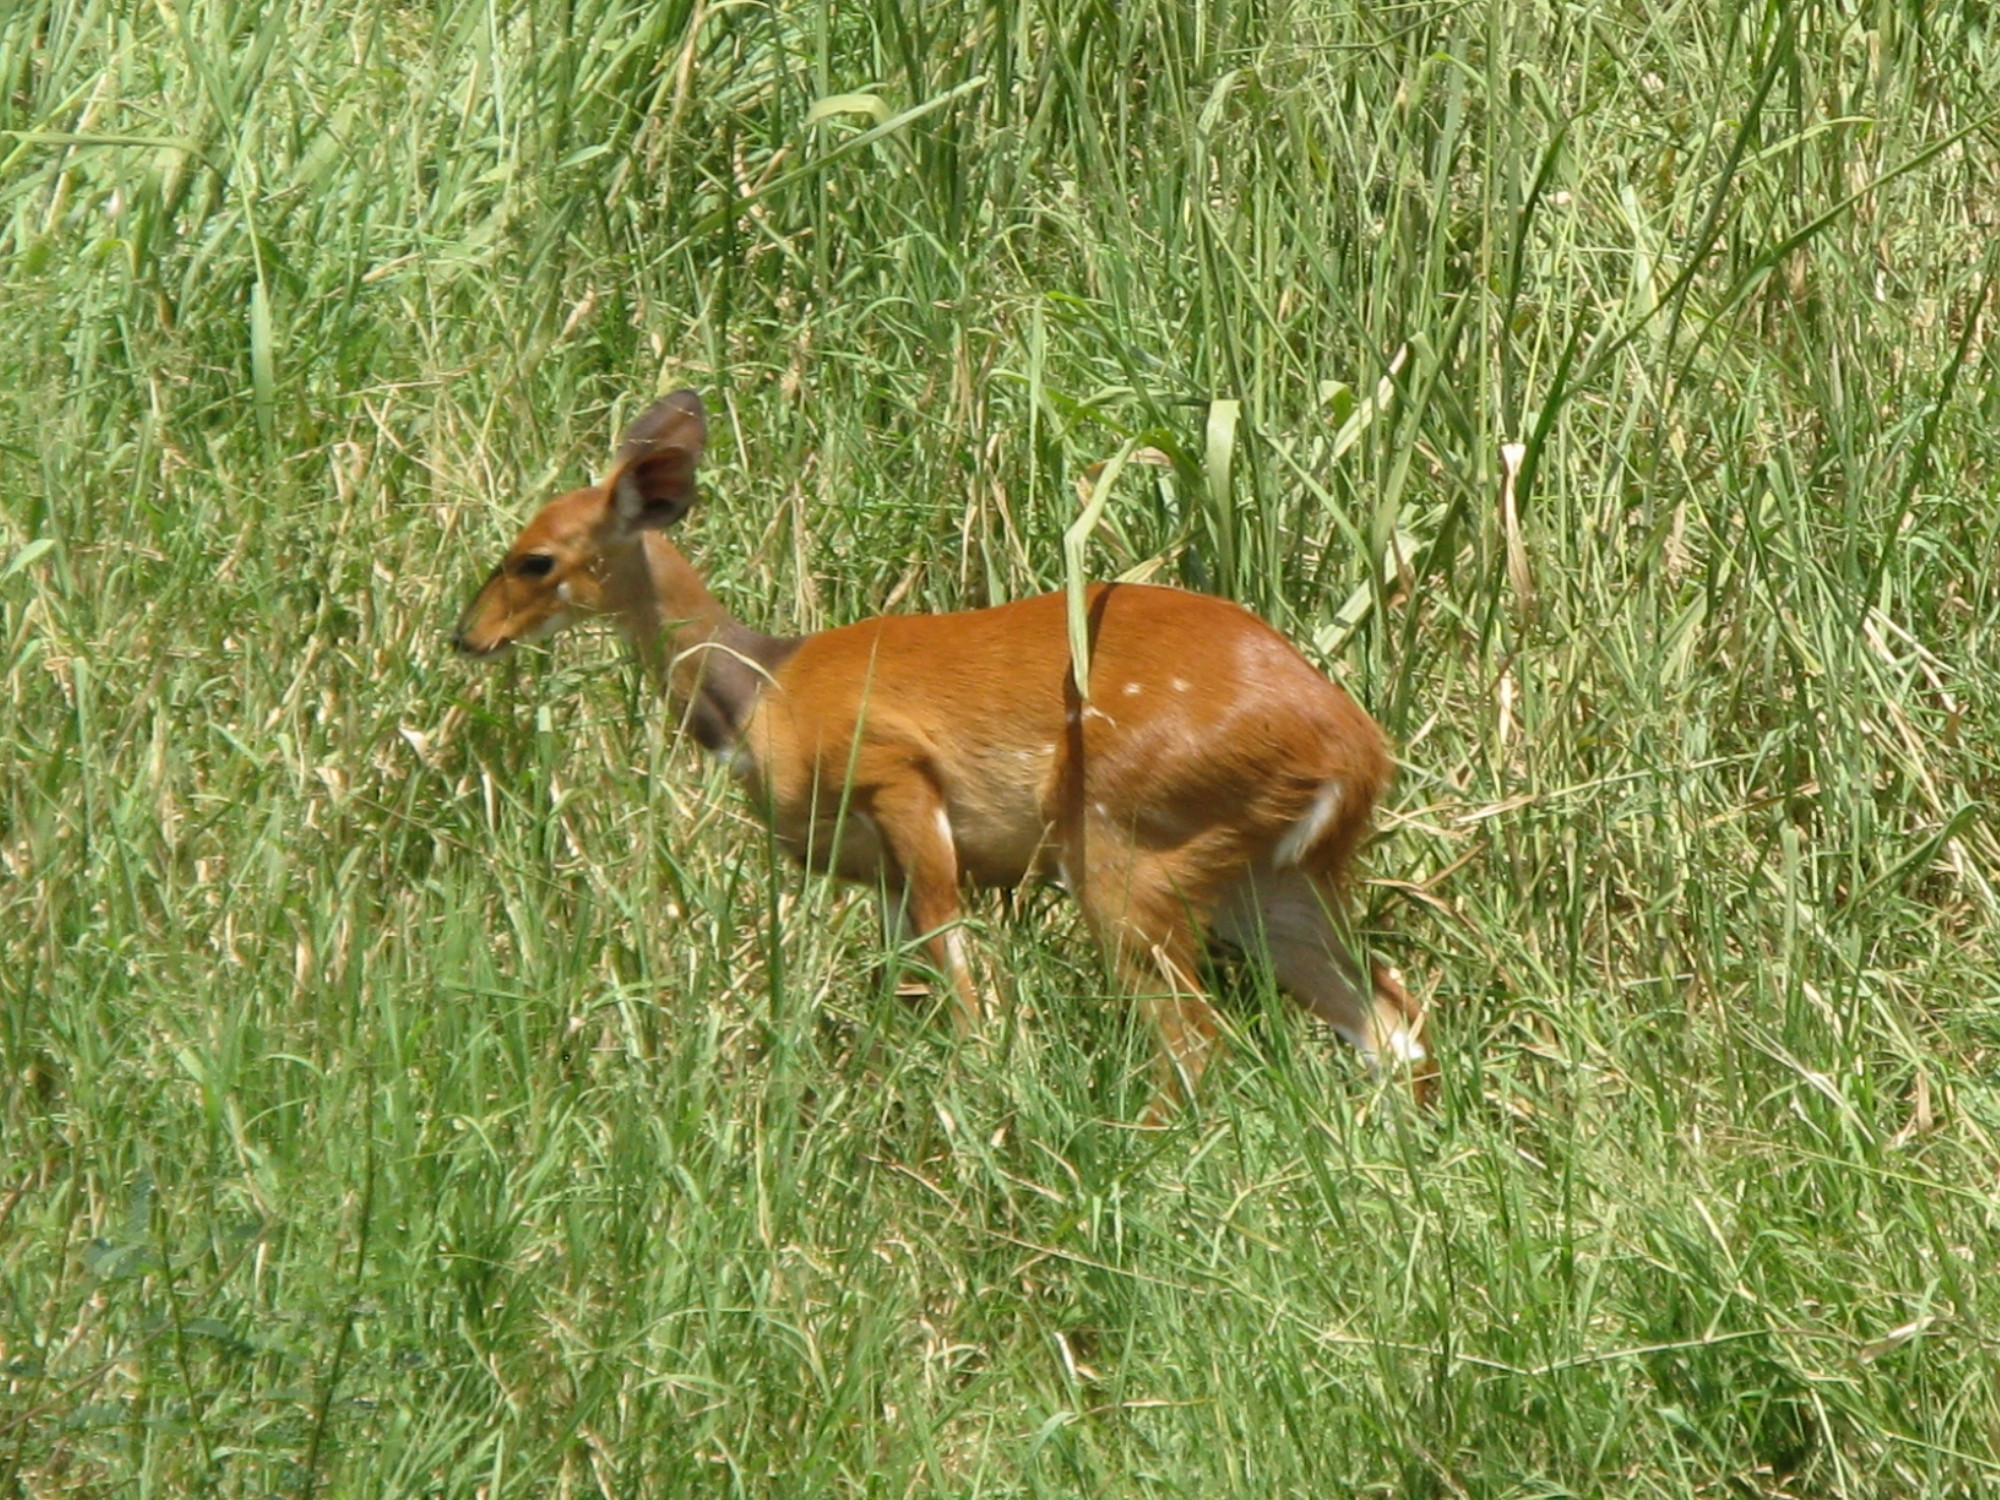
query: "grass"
422, 1080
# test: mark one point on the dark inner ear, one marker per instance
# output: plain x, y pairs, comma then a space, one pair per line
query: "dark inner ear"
655, 488
653, 483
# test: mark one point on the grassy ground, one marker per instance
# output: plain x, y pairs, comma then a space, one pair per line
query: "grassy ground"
419, 1080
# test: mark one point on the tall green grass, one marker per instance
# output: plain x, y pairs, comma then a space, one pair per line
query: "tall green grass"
419, 1080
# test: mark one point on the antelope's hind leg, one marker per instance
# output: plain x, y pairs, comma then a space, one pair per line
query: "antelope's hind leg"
1149, 932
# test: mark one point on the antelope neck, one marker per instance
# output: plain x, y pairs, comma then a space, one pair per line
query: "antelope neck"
715, 665
719, 667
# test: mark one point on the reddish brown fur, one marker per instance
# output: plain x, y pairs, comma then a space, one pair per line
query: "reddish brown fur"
1216, 784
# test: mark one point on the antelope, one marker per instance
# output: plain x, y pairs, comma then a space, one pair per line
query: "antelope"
1212, 787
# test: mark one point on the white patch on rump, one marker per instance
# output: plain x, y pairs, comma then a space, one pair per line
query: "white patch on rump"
1311, 826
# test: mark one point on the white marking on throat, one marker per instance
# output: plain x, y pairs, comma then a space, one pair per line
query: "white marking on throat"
1405, 1048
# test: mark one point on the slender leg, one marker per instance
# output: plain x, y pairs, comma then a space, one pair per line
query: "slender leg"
917, 835
1190, 1036
896, 935
1144, 925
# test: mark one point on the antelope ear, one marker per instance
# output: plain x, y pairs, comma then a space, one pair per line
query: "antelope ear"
652, 479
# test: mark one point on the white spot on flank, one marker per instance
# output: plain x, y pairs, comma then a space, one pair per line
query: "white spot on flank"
1098, 713
1098, 808
1179, 684
1132, 689
1311, 826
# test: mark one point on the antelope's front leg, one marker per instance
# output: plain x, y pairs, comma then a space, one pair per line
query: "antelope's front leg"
916, 834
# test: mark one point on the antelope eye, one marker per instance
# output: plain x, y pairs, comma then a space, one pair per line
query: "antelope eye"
535, 565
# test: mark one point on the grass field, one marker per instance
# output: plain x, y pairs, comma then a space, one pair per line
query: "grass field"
420, 1079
